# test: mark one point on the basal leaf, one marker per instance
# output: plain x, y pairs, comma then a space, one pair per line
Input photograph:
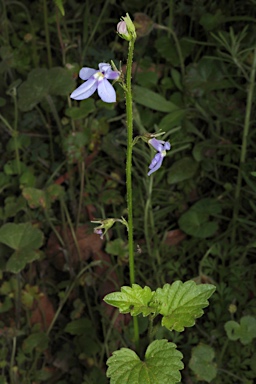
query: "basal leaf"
152, 100
133, 300
181, 303
202, 364
161, 365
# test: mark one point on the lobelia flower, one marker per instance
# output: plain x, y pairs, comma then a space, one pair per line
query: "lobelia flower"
97, 80
161, 147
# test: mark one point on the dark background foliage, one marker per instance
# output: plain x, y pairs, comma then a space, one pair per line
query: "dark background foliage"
63, 164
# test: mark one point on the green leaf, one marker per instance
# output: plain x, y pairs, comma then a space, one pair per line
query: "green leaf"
61, 81
205, 76
181, 303
118, 248
201, 363
167, 49
38, 341
245, 331
25, 240
34, 89
79, 327
85, 108
172, 120
210, 22
152, 100
161, 365
182, 169
60, 6
195, 221
134, 300
35, 197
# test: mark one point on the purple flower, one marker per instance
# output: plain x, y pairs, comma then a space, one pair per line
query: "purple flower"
161, 147
99, 232
97, 80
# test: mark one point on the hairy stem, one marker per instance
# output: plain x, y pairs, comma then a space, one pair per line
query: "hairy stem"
129, 117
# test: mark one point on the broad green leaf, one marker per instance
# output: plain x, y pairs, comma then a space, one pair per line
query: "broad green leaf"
205, 76
201, 363
152, 100
134, 300
38, 341
25, 240
34, 89
18, 236
61, 81
79, 327
161, 365
196, 221
85, 108
181, 303
182, 169
245, 331
19, 259
117, 247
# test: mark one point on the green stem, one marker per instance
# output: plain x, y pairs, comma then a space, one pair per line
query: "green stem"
129, 117
129, 159
47, 35
244, 145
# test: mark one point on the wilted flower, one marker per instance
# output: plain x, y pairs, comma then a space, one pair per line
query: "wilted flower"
97, 80
161, 147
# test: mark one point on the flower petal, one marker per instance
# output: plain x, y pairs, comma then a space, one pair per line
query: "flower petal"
157, 144
167, 146
106, 91
155, 163
85, 73
107, 71
104, 67
85, 90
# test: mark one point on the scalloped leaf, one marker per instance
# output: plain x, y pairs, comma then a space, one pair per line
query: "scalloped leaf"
245, 331
161, 365
202, 364
181, 303
134, 300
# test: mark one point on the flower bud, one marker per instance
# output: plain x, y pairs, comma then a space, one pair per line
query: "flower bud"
126, 28
121, 28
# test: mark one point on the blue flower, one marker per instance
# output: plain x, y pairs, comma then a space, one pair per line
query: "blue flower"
97, 80
161, 147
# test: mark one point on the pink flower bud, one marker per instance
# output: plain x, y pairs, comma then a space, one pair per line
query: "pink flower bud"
121, 28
